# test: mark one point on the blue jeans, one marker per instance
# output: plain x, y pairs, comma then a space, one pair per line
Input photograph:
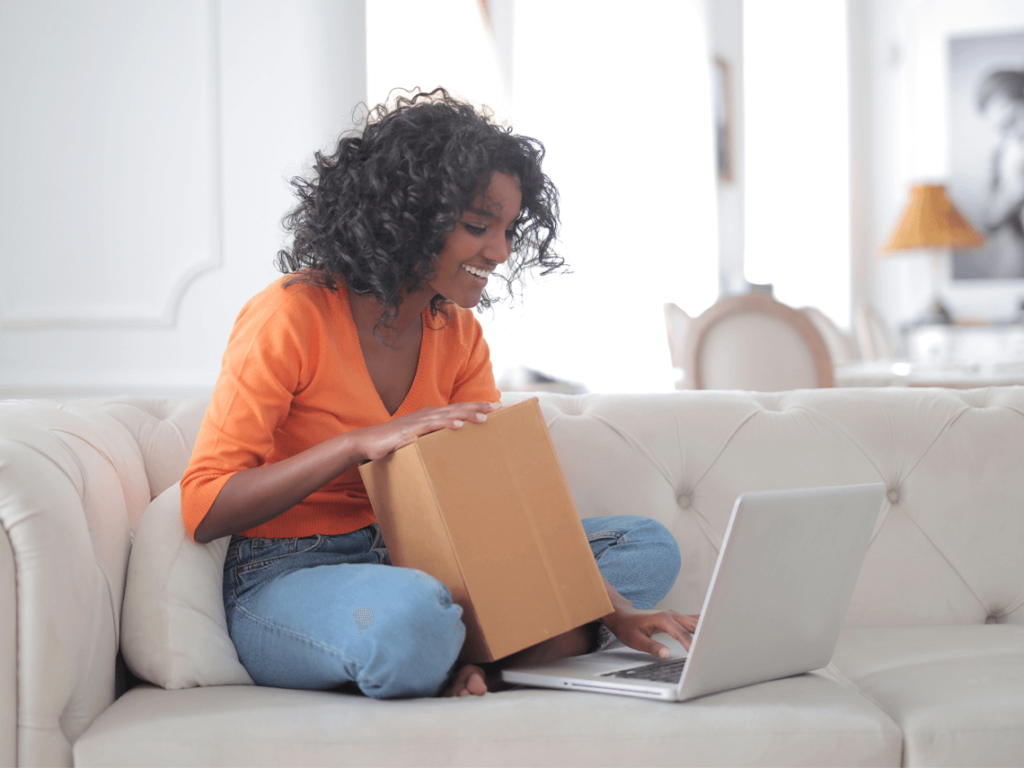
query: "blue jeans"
322, 611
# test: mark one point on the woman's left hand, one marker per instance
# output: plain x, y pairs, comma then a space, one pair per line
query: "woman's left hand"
635, 627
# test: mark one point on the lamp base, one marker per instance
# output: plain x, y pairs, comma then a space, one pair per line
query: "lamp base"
935, 314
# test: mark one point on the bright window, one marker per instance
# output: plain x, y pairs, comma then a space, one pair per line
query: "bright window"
620, 95
797, 195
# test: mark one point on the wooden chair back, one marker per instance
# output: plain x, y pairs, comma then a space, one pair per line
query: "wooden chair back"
677, 321
754, 342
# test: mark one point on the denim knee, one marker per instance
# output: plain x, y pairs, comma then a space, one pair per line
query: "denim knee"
638, 556
663, 550
424, 634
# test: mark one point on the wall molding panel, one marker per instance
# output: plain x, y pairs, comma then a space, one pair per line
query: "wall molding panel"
111, 145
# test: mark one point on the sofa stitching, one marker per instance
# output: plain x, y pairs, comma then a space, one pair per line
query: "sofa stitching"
554, 419
706, 526
907, 511
632, 442
940, 553
945, 428
845, 681
1007, 611
44, 455
879, 524
113, 601
177, 430
635, 445
901, 476
1007, 407
901, 473
725, 444
853, 441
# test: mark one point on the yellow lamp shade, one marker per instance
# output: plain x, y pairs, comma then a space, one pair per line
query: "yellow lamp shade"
932, 221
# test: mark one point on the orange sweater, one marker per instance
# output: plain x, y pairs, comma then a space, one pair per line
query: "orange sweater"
293, 375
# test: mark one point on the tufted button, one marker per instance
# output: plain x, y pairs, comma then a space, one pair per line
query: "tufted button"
893, 496
684, 500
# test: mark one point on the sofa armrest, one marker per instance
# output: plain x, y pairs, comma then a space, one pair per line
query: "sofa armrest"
63, 558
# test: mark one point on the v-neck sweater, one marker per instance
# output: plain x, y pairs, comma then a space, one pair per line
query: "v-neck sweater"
293, 376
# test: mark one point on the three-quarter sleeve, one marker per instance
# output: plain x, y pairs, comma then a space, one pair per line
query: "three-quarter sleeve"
270, 354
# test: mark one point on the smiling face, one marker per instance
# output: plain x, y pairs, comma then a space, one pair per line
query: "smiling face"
481, 240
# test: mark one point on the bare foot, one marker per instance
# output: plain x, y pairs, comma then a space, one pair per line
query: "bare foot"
468, 681
472, 680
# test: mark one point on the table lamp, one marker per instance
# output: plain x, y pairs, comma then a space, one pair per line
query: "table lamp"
931, 221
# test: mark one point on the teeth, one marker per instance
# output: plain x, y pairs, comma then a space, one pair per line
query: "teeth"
477, 272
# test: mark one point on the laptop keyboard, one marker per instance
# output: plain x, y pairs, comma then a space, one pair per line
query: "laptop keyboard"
663, 671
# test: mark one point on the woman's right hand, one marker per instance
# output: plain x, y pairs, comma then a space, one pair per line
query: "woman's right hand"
378, 441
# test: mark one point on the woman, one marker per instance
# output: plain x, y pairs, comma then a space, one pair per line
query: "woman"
1001, 104
364, 345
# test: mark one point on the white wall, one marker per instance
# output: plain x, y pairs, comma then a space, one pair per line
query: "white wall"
144, 188
899, 122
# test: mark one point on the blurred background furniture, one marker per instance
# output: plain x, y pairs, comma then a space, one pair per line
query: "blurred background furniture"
873, 335
754, 342
523, 379
995, 345
842, 346
677, 321
932, 224
901, 373
958, 356
774, 352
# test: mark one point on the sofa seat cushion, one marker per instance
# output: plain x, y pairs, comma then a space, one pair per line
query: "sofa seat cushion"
957, 693
804, 720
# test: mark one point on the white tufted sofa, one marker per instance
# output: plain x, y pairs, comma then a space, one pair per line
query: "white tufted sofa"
929, 671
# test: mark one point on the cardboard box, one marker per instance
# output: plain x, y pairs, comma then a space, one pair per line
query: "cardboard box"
485, 509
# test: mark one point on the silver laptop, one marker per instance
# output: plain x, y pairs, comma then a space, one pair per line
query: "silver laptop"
778, 597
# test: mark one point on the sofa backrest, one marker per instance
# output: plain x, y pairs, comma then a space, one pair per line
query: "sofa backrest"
948, 547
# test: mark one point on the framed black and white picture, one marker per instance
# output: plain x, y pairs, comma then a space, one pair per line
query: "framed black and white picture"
987, 151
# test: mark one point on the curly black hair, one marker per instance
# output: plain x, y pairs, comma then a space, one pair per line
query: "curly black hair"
377, 211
